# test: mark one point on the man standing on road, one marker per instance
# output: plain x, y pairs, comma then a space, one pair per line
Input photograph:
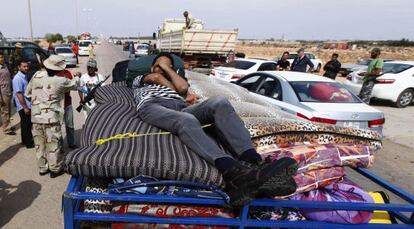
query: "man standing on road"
163, 100
47, 92
5, 97
68, 114
75, 48
23, 104
369, 77
332, 67
301, 62
15, 58
87, 82
283, 64
131, 50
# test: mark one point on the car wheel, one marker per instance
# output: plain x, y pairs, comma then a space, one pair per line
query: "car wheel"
405, 98
318, 69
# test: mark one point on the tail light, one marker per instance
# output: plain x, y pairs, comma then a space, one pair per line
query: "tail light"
236, 76
385, 81
213, 73
349, 77
317, 119
376, 122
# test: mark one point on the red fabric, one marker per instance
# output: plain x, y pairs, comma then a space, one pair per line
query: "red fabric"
325, 92
68, 98
75, 49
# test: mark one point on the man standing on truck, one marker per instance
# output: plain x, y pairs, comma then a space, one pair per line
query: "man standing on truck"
374, 70
301, 62
189, 20
163, 100
47, 92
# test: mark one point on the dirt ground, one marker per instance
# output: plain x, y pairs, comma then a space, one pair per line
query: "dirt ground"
270, 51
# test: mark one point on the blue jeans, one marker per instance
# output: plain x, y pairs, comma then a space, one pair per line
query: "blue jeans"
70, 130
186, 121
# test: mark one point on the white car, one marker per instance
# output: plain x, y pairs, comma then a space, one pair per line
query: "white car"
141, 49
237, 69
67, 53
84, 47
396, 83
314, 98
317, 63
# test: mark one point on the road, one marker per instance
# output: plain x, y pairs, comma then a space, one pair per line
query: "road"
29, 200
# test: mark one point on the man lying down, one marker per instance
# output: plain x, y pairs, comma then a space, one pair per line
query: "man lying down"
163, 100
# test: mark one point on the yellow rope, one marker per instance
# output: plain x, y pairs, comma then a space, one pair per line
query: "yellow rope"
102, 141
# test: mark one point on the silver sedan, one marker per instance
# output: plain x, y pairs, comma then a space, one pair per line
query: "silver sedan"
67, 53
314, 98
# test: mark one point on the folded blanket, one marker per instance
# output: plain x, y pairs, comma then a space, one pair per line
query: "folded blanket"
315, 179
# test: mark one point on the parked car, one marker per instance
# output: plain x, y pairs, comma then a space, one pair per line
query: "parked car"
84, 47
31, 52
362, 64
118, 42
314, 98
395, 84
141, 49
237, 69
67, 53
315, 60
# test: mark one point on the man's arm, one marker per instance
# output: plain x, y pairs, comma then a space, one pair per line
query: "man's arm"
22, 101
178, 82
310, 63
156, 78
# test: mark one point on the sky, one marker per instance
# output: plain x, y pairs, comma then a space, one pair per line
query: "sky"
291, 19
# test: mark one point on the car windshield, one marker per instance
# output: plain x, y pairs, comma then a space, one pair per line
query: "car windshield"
395, 68
239, 64
292, 55
142, 47
63, 50
84, 43
323, 92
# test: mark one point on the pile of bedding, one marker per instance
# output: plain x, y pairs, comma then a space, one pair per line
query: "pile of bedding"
322, 151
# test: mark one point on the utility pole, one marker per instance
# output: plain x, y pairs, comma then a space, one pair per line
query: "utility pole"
77, 19
30, 19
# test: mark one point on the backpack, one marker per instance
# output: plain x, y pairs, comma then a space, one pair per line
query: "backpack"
120, 71
142, 65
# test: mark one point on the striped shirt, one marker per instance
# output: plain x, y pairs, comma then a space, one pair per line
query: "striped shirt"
147, 92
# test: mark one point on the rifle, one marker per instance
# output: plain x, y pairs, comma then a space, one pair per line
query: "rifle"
91, 94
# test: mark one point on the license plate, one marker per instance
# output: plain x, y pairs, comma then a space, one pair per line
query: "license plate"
352, 124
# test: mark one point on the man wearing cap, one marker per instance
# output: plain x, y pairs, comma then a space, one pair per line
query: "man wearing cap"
47, 92
87, 82
15, 58
369, 77
301, 62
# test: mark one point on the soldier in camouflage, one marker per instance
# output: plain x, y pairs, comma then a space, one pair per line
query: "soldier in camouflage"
47, 93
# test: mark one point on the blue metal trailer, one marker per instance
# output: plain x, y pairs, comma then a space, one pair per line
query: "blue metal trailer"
75, 194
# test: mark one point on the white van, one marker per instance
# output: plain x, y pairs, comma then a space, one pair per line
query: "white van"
83, 47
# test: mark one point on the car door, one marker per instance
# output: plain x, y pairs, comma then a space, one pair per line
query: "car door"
250, 82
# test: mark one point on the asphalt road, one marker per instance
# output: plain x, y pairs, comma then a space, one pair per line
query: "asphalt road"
30, 201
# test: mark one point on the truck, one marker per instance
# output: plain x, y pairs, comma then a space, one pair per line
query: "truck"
197, 46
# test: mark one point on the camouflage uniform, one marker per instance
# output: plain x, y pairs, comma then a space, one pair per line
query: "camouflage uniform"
47, 96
